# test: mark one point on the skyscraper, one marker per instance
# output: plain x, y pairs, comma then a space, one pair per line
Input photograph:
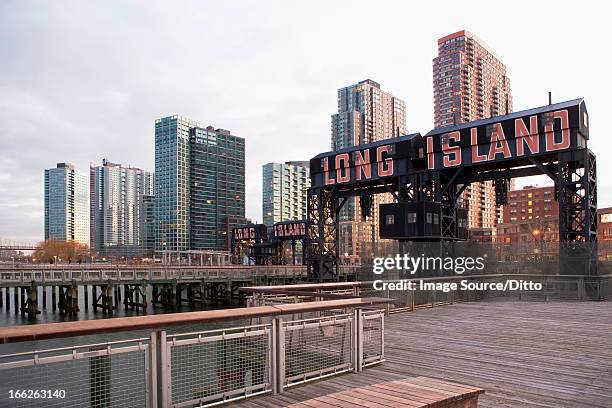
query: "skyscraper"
117, 215
284, 191
199, 185
366, 114
217, 195
172, 182
66, 204
470, 83
148, 225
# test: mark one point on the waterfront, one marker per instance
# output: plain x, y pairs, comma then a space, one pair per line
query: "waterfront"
12, 317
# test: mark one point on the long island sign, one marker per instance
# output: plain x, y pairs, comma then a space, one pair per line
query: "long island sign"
489, 142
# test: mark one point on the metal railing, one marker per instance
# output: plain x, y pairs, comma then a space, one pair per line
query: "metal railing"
90, 274
113, 374
554, 287
202, 367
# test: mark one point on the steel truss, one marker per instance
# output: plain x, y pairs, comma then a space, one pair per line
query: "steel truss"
573, 172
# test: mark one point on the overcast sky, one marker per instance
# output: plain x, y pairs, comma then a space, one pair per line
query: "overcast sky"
82, 81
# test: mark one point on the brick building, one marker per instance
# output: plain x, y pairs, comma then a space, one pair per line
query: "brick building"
532, 215
470, 83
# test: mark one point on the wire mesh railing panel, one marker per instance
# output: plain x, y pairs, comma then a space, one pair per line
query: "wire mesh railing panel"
606, 288
219, 365
318, 347
99, 375
422, 298
373, 337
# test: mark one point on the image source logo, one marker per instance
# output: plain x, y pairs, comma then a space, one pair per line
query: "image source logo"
412, 265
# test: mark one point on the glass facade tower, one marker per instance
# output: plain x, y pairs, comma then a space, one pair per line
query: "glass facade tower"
66, 204
217, 197
172, 182
199, 185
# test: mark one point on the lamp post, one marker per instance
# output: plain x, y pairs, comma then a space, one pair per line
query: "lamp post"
538, 235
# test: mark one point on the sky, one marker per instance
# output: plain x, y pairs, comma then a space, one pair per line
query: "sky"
83, 81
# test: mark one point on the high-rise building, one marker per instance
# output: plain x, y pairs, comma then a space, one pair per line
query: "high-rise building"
366, 114
117, 215
199, 185
284, 191
66, 204
470, 83
148, 225
217, 187
172, 182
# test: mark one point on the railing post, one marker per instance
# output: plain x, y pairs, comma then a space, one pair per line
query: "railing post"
387, 305
279, 367
358, 340
153, 370
163, 373
382, 337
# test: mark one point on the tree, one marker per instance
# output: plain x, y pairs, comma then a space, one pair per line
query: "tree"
53, 250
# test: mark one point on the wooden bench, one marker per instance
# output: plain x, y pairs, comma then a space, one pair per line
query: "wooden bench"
422, 392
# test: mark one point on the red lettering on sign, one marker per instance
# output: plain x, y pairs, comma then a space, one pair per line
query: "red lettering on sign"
342, 166
551, 145
499, 144
328, 180
524, 136
476, 158
455, 151
362, 164
431, 163
385, 168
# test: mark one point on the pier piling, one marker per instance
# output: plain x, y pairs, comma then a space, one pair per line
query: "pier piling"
53, 298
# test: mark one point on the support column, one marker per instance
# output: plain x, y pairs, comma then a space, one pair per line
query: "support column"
22, 305
94, 298
53, 298
202, 294
16, 299
86, 298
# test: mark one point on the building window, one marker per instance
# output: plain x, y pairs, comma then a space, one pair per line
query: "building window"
411, 218
390, 219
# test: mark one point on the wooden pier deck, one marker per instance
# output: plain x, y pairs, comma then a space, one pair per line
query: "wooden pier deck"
524, 354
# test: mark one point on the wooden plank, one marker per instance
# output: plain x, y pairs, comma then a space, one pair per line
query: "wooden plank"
444, 385
405, 401
418, 398
357, 402
524, 354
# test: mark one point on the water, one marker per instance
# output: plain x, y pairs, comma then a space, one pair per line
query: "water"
11, 318
74, 377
